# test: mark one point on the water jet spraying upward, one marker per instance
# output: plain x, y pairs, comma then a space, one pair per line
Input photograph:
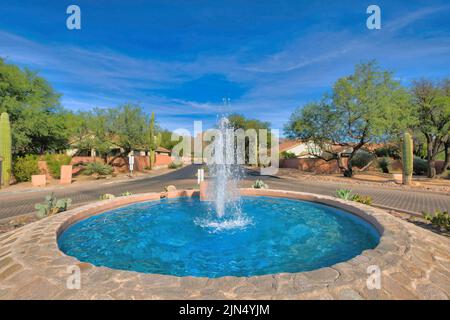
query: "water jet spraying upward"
223, 186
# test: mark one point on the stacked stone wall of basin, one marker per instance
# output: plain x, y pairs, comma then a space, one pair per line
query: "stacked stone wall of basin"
413, 263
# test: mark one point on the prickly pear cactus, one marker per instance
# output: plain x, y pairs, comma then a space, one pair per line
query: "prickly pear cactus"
63, 204
52, 206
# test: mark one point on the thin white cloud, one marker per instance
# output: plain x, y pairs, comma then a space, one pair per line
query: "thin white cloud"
401, 22
275, 84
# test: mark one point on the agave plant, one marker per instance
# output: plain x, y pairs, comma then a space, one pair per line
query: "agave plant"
345, 194
52, 206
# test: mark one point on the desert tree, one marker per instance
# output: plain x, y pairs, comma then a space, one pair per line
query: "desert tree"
367, 106
431, 102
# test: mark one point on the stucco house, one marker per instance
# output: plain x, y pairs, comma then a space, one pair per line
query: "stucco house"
310, 157
307, 150
300, 148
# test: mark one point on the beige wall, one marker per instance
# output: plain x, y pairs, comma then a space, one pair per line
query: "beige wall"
311, 165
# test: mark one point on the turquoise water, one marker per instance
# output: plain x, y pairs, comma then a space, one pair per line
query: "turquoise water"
178, 237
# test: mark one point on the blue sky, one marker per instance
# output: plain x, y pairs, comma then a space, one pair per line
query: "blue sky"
180, 58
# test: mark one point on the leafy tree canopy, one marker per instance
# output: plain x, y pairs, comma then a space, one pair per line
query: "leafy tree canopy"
367, 106
238, 121
166, 139
431, 102
37, 118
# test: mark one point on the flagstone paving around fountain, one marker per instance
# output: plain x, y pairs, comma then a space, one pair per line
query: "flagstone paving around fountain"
414, 264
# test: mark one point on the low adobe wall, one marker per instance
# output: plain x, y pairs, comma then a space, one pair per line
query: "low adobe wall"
82, 160
312, 165
163, 160
142, 162
120, 164
396, 165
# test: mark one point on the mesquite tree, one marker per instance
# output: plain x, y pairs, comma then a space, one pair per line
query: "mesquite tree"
432, 107
36, 116
364, 107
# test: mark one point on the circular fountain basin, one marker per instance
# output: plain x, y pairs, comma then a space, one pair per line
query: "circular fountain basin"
180, 237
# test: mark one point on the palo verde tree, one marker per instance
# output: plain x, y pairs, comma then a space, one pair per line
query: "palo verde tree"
126, 125
89, 131
432, 107
166, 139
365, 107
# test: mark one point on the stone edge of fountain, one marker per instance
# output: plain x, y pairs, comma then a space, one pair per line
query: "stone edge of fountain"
34, 249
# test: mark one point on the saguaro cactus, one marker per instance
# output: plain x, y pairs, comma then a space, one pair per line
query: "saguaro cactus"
152, 142
5, 148
407, 158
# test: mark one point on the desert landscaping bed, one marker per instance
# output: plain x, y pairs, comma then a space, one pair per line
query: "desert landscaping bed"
375, 179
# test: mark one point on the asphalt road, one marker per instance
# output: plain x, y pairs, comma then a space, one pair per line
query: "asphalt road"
414, 201
13, 204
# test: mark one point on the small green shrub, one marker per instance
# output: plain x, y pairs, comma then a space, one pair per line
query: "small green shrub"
98, 168
440, 219
126, 194
388, 151
362, 199
54, 163
288, 155
107, 196
384, 164
362, 158
25, 167
346, 194
420, 166
52, 206
173, 165
259, 184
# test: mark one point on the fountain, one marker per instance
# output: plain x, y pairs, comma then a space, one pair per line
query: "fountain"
223, 188
225, 235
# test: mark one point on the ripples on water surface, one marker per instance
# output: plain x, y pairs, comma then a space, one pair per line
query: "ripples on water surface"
182, 237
